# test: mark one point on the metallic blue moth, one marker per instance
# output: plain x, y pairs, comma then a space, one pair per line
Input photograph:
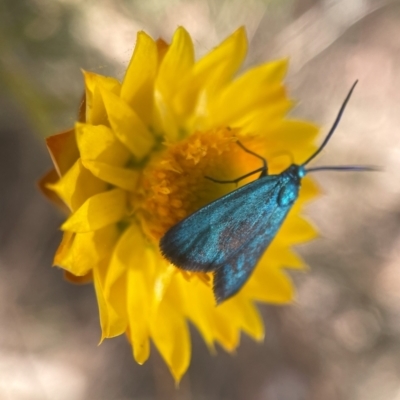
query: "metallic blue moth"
229, 235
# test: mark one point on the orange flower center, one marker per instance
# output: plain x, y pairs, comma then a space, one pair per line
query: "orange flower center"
174, 184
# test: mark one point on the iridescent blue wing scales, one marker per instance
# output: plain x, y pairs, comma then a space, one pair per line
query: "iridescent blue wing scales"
211, 234
230, 276
232, 273
229, 235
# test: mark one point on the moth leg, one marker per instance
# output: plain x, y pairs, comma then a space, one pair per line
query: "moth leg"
237, 180
263, 169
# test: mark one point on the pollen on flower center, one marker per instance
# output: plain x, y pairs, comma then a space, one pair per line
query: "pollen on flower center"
174, 183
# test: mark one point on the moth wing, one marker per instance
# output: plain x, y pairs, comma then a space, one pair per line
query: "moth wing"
210, 236
233, 273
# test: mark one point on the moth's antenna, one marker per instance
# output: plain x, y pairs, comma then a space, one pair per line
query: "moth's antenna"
344, 168
334, 126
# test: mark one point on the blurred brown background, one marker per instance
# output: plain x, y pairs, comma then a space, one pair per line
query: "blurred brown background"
341, 340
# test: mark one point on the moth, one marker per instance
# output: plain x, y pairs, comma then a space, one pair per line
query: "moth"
228, 236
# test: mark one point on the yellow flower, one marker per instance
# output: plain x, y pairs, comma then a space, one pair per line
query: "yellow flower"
134, 165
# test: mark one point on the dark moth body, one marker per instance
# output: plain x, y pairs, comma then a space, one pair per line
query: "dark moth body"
229, 235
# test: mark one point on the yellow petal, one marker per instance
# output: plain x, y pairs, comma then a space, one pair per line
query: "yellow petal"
296, 229
117, 298
254, 88
282, 256
138, 311
93, 80
171, 337
78, 280
99, 143
245, 315
98, 211
50, 178
209, 75
75, 261
162, 48
121, 177
263, 119
220, 65
77, 185
131, 266
95, 111
164, 274
177, 63
215, 323
128, 253
63, 150
294, 137
128, 127
111, 323
252, 321
270, 285
293, 132
137, 87
197, 311
226, 333
63, 248
141, 350
86, 250
309, 189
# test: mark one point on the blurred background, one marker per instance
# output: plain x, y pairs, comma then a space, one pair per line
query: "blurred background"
341, 339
